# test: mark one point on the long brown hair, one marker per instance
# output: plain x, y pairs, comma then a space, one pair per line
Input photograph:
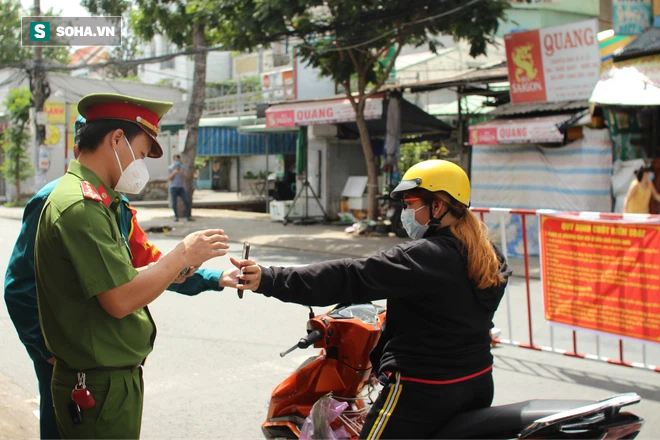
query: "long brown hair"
483, 264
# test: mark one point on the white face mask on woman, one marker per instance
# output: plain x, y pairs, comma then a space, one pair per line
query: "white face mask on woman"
134, 177
410, 224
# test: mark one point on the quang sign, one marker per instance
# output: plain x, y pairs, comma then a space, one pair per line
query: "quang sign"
518, 131
558, 63
320, 112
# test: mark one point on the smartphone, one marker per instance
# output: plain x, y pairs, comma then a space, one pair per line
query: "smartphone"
244, 256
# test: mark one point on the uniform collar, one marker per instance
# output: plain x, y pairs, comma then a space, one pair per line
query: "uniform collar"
83, 173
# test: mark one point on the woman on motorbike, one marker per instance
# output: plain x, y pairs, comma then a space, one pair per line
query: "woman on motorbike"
442, 290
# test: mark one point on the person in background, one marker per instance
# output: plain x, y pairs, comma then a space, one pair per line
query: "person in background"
177, 174
442, 289
640, 192
21, 295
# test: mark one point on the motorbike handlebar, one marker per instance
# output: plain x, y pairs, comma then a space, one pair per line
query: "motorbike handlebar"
311, 338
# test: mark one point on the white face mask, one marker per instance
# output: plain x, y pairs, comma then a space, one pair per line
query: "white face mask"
410, 224
134, 177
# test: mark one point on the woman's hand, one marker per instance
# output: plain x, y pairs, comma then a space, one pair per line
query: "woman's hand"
251, 274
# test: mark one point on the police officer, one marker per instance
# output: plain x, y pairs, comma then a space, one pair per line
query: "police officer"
442, 290
92, 301
21, 295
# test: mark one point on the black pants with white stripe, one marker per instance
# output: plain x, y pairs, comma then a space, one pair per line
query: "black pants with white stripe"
411, 410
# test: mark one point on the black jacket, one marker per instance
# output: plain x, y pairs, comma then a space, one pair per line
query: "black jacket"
438, 322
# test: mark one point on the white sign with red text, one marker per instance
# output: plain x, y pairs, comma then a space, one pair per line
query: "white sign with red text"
518, 131
320, 112
558, 63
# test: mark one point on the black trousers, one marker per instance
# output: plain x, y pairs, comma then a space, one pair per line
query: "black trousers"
412, 410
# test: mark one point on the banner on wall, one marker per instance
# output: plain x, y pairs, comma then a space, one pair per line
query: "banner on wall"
73, 115
519, 131
602, 274
329, 111
55, 112
631, 17
558, 63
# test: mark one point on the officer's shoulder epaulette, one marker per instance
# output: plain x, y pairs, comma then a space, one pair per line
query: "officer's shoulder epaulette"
89, 192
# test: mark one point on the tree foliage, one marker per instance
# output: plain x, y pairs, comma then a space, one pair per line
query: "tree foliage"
358, 38
16, 163
11, 50
415, 152
186, 24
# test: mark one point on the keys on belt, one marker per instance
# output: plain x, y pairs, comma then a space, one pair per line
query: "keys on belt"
81, 399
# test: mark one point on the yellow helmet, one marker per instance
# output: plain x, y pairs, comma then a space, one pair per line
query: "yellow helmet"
436, 175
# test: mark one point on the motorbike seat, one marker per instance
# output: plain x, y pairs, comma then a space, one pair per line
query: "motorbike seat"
504, 421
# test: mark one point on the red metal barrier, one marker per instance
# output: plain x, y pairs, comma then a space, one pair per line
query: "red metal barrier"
524, 213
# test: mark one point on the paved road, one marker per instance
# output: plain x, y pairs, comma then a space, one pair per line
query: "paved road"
216, 361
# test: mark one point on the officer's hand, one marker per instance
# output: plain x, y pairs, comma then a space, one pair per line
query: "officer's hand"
251, 273
201, 246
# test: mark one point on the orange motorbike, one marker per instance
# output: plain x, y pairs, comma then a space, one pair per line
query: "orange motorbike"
347, 334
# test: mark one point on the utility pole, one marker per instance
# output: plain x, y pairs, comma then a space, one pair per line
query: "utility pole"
40, 91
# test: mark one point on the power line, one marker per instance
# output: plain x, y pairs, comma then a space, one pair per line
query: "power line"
147, 60
391, 31
271, 39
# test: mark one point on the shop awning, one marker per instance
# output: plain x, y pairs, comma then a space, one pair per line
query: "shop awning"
328, 111
414, 121
262, 129
628, 86
227, 141
543, 129
231, 121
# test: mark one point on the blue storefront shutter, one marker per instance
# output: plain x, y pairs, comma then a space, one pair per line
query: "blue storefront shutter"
227, 141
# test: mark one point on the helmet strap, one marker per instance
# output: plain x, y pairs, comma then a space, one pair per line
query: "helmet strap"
437, 221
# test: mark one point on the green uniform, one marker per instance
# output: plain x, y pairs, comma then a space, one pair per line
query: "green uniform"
80, 253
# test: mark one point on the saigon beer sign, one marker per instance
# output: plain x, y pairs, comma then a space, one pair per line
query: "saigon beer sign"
558, 63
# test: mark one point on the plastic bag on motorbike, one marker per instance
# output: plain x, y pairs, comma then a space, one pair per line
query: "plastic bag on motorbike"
317, 424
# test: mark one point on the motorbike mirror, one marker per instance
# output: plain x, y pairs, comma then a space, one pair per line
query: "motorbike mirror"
311, 312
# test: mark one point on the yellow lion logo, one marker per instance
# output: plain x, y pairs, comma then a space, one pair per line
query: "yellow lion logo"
524, 62
475, 137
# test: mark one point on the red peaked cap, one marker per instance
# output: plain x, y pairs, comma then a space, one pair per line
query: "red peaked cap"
145, 113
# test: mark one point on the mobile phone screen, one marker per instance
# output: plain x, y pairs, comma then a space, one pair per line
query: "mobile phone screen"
245, 256
246, 250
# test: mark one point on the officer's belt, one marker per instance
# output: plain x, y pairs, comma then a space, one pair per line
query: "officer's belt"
124, 368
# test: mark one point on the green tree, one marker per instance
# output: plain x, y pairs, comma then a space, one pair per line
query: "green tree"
11, 50
415, 152
358, 39
127, 51
187, 24
16, 140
